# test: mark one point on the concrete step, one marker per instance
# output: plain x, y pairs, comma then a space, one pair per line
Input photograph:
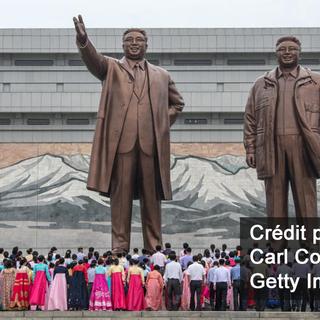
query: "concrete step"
160, 315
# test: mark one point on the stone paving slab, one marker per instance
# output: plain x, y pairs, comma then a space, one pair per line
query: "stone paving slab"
230, 314
67, 314
291, 315
112, 314
171, 314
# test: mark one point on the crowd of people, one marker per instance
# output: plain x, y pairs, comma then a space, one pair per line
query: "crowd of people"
216, 279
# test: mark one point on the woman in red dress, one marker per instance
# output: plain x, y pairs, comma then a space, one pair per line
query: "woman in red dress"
21, 287
135, 296
116, 272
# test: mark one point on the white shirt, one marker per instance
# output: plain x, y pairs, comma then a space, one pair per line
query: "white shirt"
91, 274
221, 274
159, 259
196, 271
173, 271
80, 256
135, 256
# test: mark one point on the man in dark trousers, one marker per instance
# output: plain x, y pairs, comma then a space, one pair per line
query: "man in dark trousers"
281, 133
173, 278
130, 156
221, 282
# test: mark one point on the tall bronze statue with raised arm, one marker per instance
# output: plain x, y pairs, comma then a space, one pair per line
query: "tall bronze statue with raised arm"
130, 156
281, 133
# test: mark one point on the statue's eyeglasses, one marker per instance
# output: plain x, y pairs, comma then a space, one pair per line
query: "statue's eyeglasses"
132, 40
289, 49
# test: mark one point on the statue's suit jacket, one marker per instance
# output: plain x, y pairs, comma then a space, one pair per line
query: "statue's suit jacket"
117, 89
260, 117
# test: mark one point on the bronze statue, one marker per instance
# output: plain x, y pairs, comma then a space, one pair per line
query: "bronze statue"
130, 156
281, 132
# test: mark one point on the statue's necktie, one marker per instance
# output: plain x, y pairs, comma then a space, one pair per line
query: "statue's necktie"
138, 80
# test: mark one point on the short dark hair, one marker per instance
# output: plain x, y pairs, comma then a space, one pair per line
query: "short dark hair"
158, 247
142, 31
289, 38
221, 262
172, 256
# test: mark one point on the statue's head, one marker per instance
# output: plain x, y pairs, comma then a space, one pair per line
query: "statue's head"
288, 50
135, 43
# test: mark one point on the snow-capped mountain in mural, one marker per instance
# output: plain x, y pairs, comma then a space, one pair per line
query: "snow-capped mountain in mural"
207, 194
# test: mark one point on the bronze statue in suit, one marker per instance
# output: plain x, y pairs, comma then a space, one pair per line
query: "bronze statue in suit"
130, 156
281, 133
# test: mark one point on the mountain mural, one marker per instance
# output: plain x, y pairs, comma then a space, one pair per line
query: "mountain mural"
210, 195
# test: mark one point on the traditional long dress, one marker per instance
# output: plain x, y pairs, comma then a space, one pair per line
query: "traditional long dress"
185, 297
78, 292
154, 285
230, 293
108, 277
135, 296
8, 278
118, 298
58, 292
100, 296
40, 277
21, 289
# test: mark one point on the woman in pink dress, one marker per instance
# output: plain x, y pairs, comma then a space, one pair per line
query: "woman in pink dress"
154, 286
185, 297
40, 277
118, 299
58, 291
135, 296
100, 296
230, 290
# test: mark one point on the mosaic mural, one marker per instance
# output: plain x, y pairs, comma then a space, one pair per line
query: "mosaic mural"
44, 202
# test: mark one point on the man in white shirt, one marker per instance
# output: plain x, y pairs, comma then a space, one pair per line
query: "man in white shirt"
80, 254
221, 281
159, 258
135, 255
173, 277
196, 275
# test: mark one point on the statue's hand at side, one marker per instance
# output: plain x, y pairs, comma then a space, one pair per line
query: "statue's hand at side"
251, 160
81, 30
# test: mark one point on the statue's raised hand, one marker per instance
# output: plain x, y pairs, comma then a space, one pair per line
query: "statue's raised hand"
81, 29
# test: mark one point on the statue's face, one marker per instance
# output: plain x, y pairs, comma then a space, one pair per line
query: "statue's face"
134, 45
288, 54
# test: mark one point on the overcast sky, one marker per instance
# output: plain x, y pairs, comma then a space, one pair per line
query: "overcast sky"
160, 13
